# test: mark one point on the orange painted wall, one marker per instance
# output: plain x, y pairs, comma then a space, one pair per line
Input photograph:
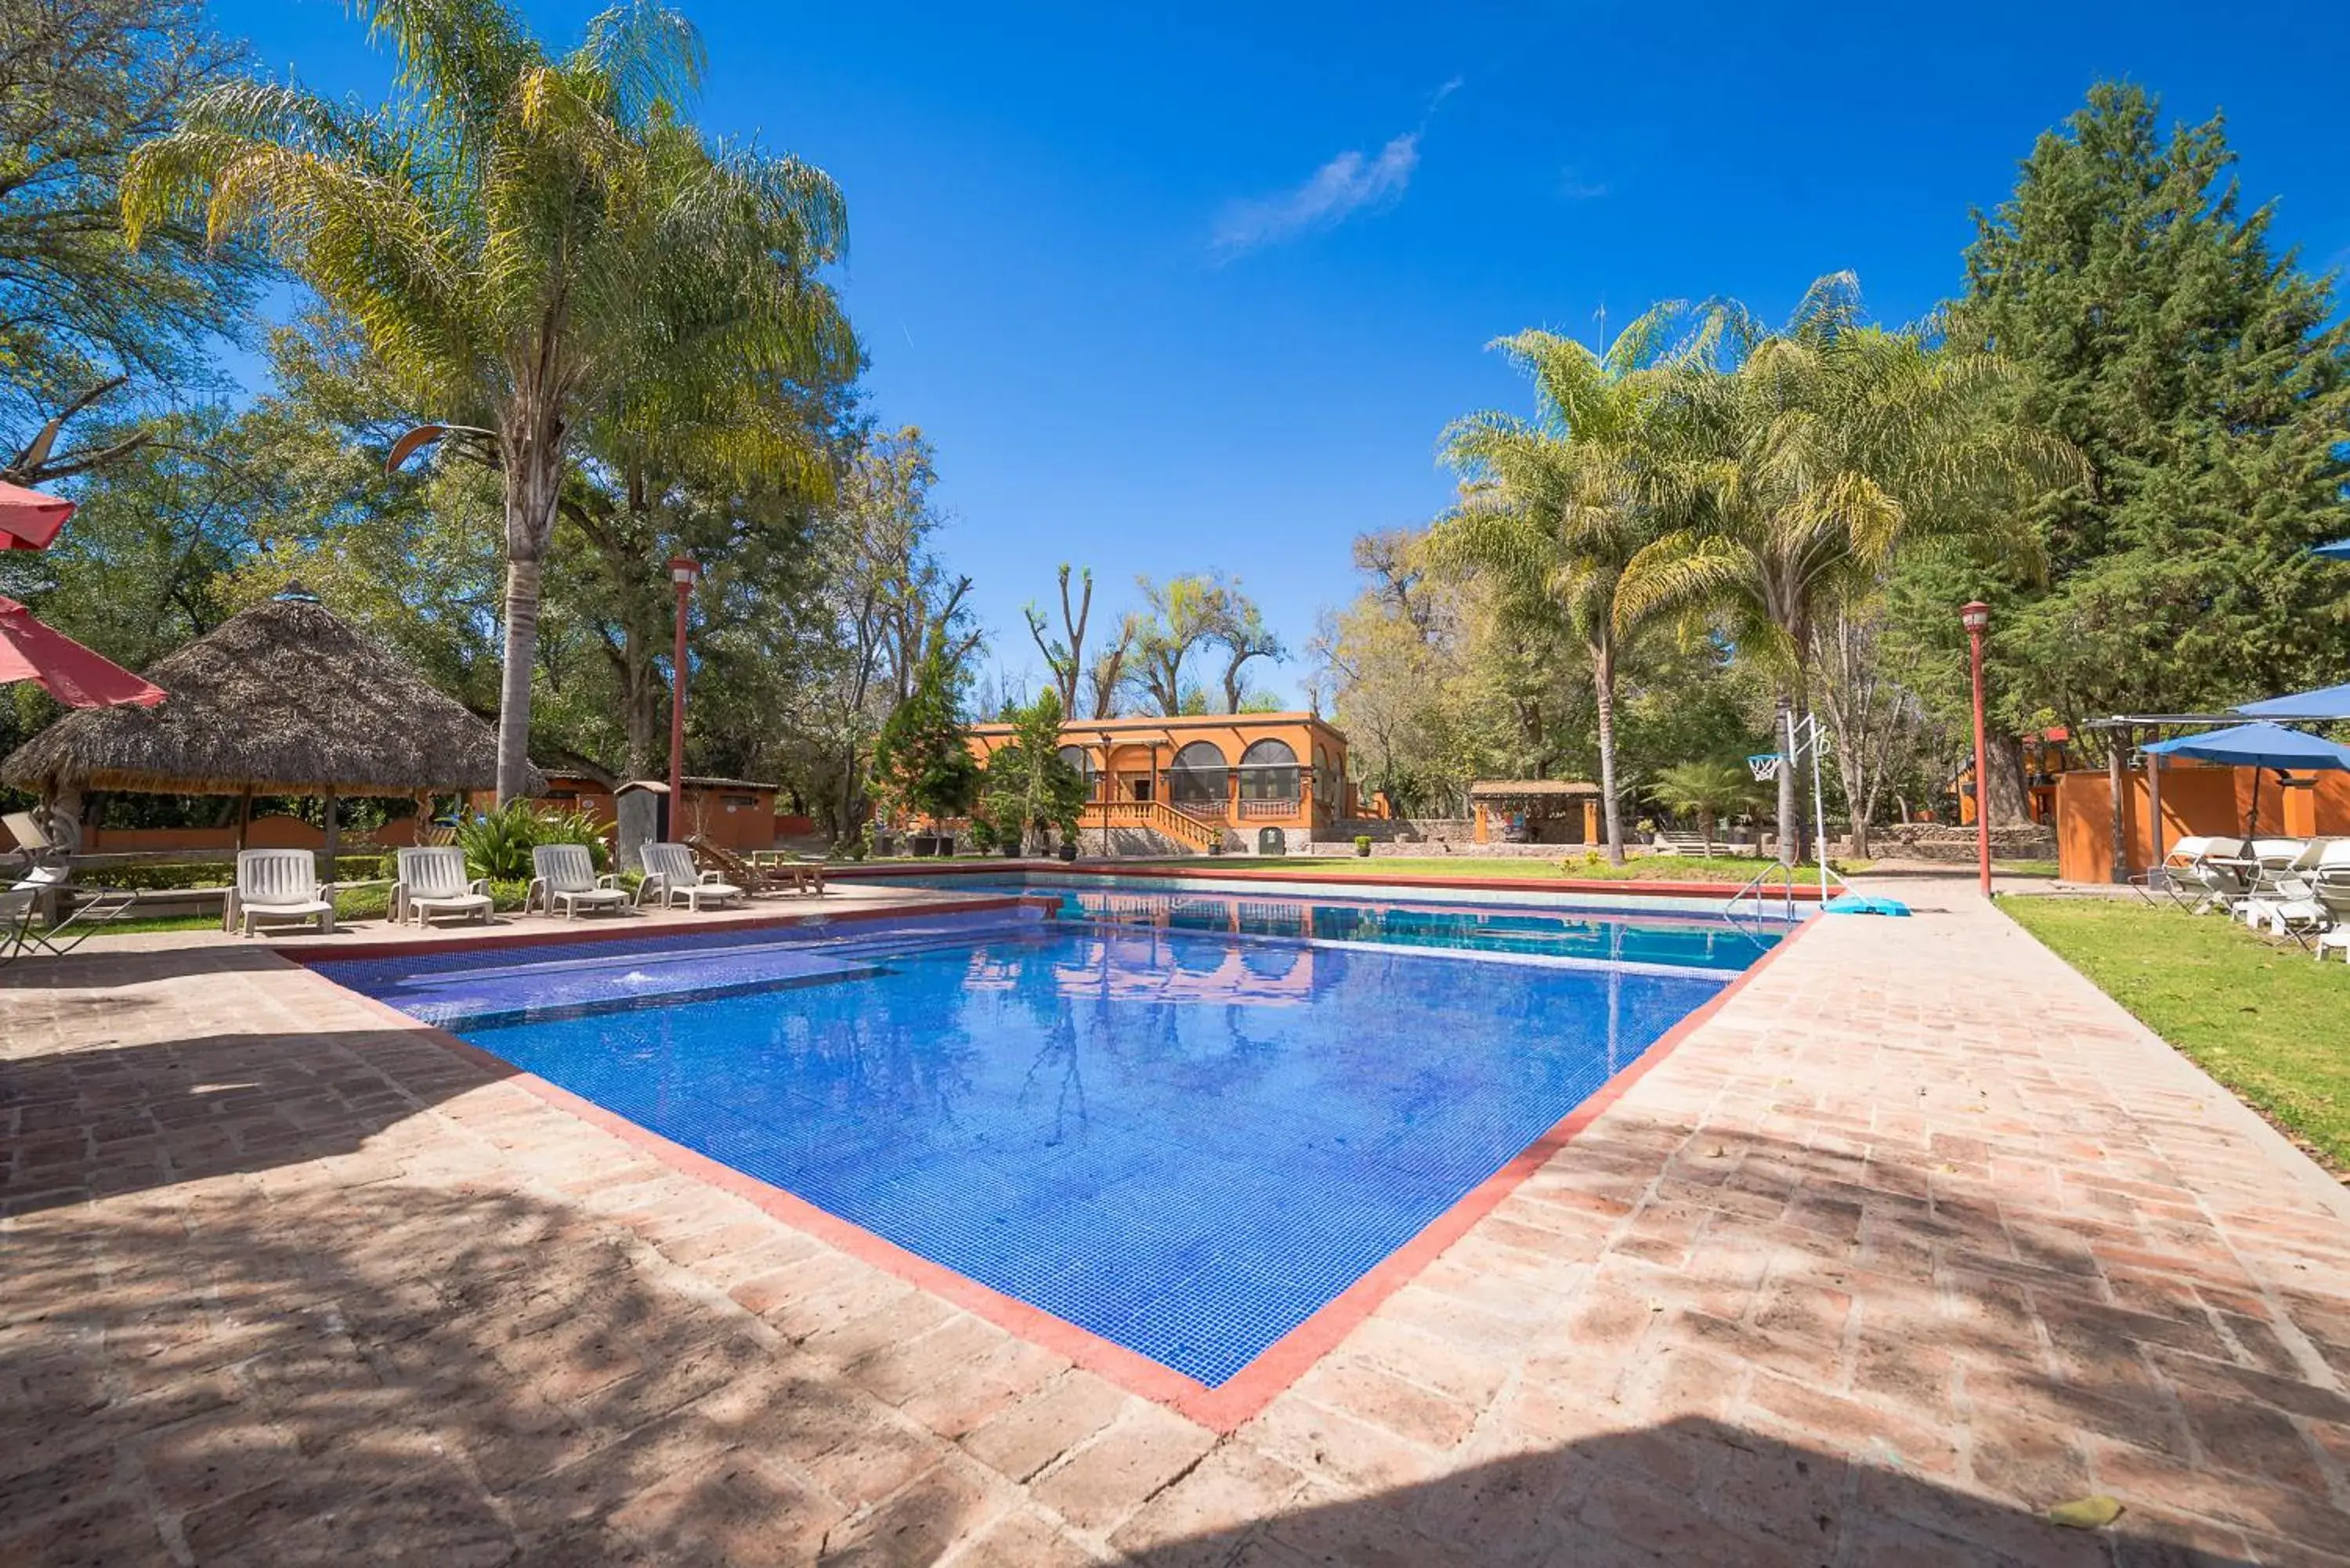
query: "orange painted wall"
737, 816
262, 833
2196, 800
1314, 743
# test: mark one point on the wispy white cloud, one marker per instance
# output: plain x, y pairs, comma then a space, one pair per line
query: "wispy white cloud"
1574, 187
1347, 184
1354, 182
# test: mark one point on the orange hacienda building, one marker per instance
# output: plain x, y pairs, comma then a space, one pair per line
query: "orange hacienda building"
1221, 781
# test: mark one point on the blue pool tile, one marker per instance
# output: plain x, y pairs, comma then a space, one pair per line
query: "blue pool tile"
1185, 1139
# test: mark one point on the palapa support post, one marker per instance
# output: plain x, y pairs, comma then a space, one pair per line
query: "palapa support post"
2118, 775
243, 817
334, 840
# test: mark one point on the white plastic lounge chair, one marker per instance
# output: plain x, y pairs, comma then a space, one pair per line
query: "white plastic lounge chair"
432, 882
2278, 896
2329, 884
279, 885
2176, 870
671, 874
22, 905
567, 876
2217, 878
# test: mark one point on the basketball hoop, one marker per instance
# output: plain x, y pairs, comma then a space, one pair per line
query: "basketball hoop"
1766, 766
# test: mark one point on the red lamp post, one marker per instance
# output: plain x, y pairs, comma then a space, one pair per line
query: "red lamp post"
682, 570
1976, 617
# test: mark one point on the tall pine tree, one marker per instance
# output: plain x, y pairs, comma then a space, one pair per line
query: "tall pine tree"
2197, 370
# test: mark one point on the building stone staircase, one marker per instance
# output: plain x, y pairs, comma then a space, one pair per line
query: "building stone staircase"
1187, 835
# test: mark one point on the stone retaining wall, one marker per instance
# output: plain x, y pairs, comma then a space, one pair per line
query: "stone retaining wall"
1405, 830
1940, 841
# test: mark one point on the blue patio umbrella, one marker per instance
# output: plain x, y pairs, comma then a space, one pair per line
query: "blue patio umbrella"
2339, 550
2325, 703
2260, 744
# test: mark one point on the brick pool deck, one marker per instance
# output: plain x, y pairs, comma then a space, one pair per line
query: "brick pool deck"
1917, 1236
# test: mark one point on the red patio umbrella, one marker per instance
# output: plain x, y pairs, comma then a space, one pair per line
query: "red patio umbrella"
28, 519
64, 667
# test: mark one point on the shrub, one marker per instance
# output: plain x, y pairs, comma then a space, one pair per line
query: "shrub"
369, 867
371, 903
497, 844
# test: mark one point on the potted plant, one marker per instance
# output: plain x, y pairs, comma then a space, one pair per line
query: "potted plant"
1363, 846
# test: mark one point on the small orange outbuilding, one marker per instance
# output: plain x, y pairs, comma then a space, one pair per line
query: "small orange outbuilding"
2197, 799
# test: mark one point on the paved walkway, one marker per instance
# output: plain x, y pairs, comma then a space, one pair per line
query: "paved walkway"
1917, 1237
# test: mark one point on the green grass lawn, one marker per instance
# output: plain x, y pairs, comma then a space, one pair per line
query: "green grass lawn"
2265, 1020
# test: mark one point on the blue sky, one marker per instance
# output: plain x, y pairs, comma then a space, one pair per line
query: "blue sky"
1190, 287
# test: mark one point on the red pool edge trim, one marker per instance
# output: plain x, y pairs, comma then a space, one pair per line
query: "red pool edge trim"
315, 949
1721, 892
1222, 1409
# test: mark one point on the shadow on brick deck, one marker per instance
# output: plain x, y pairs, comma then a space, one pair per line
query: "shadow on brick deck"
315, 1374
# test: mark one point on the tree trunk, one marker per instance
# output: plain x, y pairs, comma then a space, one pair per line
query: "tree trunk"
2003, 760
1603, 688
513, 685
1791, 827
640, 709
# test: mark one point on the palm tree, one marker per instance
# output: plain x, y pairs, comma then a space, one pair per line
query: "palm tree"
696, 449
1706, 790
1554, 508
514, 236
1792, 476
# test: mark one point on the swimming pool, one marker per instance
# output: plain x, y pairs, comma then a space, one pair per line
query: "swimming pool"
1185, 1141
1563, 931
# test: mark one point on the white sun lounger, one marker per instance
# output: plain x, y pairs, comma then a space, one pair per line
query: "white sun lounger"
2217, 877
671, 874
2280, 897
2329, 884
23, 904
433, 881
567, 876
280, 885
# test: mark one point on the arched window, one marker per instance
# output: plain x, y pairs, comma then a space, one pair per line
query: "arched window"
1081, 759
1197, 777
1269, 771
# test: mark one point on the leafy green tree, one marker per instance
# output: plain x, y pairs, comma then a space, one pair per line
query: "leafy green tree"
1557, 507
1028, 785
515, 236
1182, 615
82, 313
1796, 473
883, 599
923, 757
2205, 377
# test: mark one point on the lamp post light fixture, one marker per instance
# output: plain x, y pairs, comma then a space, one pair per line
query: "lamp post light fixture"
682, 570
1976, 617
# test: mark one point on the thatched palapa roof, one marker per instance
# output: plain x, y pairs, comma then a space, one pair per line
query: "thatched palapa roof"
1533, 789
283, 698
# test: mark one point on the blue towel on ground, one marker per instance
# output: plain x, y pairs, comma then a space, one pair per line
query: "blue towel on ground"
1863, 904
